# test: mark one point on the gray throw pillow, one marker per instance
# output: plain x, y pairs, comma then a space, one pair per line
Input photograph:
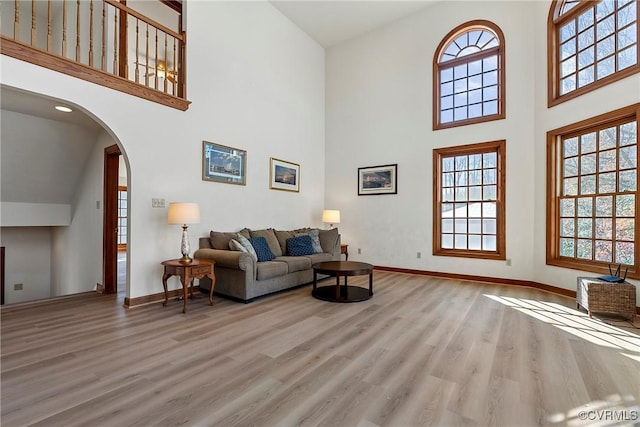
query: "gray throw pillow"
234, 245
245, 243
314, 233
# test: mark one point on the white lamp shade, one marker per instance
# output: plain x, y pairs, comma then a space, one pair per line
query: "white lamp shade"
331, 216
184, 213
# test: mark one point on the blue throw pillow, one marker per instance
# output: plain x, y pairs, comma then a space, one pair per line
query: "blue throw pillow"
301, 245
262, 249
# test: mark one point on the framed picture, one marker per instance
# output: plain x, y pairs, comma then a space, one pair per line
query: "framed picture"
284, 175
378, 180
223, 164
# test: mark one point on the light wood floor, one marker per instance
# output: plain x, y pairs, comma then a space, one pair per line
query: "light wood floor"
422, 351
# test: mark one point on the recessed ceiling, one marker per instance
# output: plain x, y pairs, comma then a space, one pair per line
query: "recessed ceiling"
333, 22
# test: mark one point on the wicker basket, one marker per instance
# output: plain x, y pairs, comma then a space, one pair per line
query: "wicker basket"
598, 296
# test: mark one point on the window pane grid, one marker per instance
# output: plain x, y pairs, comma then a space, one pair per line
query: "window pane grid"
122, 217
470, 81
596, 215
470, 222
592, 49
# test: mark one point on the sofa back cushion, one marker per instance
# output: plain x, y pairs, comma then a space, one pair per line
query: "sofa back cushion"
262, 249
271, 239
221, 239
299, 246
282, 237
329, 240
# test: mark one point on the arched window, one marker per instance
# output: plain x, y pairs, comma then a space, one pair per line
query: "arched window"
468, 76
591, 44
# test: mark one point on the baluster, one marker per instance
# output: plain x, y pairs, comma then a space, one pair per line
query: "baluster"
49, 36
64, 28
33, 23
137, 50
78, 31
175, 67
146, 59
166, 61
104, 36
115, 40
16, 21
91, 33
157, 63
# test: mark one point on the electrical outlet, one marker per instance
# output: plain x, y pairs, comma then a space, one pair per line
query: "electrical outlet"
18, 287
97, 204
419, 255
359, 250
157, 203
508, 261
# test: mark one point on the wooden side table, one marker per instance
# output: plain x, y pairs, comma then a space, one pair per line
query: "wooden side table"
344, 249
196, 269
599, 296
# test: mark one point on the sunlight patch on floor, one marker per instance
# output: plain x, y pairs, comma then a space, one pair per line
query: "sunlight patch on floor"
615, 410
574, 322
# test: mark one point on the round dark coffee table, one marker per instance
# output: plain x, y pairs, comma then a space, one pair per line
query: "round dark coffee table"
344, 293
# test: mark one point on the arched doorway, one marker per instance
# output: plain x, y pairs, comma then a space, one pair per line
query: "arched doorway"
55, 167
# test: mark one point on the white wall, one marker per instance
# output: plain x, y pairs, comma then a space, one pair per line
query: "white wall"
77, 249
379, 111
28, 261
617, 95
257, 83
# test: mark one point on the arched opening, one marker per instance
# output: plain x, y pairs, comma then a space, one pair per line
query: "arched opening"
52, 198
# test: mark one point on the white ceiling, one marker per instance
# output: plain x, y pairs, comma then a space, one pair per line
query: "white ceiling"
43, 107
330, 22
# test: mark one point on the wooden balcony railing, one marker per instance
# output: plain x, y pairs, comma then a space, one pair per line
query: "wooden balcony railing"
102, 41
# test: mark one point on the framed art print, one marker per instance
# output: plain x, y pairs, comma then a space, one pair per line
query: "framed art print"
378, 180
223, 164
284, 175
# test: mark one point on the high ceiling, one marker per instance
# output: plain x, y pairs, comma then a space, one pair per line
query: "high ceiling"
332, 22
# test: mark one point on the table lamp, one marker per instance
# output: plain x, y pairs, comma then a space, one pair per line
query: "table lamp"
184, 213
331, 216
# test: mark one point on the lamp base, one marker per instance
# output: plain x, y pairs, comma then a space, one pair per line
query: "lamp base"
185, 248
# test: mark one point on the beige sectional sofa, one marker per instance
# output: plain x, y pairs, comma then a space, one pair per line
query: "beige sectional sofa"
241, 277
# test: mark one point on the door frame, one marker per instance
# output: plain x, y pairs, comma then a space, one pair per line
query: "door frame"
110, 219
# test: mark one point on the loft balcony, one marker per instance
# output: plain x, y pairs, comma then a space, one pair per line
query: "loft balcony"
136, 47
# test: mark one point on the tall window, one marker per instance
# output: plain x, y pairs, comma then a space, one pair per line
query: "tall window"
593, 193
122, 218
468, 76
468, 196
591, 44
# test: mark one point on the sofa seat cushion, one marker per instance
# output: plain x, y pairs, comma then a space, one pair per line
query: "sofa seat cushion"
319, 257
269, 269
295, 263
